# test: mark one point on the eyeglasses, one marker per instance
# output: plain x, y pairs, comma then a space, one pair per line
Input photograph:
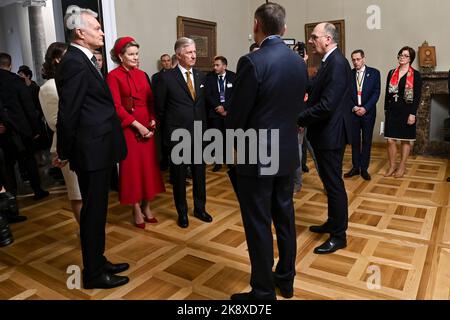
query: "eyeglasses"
402, 56
314, 37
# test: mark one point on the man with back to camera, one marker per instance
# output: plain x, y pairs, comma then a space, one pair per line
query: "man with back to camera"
268, 94
328, 119
91, 138
365, 95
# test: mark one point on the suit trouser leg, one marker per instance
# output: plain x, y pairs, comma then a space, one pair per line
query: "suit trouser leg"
260, 200
219, 124
283, 216
178, 180
94, 187
356, 141
330, 166
199, 186
367, 135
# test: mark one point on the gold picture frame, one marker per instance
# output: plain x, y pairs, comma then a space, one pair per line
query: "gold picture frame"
205, 36
313, 60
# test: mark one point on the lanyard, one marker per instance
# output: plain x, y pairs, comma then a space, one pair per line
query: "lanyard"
360, 81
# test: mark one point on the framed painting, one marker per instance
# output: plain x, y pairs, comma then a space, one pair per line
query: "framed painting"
313, 60
205, 36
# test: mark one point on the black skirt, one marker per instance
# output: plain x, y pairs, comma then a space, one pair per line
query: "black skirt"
396, 123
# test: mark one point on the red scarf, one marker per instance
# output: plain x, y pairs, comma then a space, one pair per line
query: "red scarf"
409, 88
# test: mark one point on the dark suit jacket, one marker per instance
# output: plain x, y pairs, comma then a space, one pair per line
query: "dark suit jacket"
174, 104
268, 94
89, 132
213, 95
19, 110
370, 93
329, 108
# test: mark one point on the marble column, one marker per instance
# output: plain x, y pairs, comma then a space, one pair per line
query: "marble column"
37, 34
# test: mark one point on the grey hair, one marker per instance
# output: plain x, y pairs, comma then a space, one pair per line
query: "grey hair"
182, 43
332, 31
74, 19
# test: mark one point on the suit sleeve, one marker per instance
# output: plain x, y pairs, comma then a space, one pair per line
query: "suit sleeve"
211, 104
244, 95
72, 91
114, 85
335, 85
417, 93
372, 102
49, 102
160, 98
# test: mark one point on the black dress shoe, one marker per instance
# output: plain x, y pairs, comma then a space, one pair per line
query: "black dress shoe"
106, 281
448, 179
204, 216
351, 173
319, 229
330, 246
15, 219
217, 168
243, 296
365, 175
249, 296
41, 195
183, 221
286, 291
115, 268
305, 168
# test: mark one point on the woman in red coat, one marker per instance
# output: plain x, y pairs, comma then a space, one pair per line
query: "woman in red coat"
139, 174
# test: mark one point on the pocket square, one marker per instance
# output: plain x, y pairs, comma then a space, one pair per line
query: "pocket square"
229, 85
202, 86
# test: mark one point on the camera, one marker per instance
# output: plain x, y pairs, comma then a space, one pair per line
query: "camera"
300, 47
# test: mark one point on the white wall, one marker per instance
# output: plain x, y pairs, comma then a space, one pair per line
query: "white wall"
154, 25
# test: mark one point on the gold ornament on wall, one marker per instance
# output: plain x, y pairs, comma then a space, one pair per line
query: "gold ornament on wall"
427, 57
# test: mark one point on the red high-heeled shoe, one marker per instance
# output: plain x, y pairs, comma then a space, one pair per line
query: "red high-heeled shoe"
140, 225
151, 220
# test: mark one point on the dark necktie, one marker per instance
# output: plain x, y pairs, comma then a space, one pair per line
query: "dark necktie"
96, 65
222, 89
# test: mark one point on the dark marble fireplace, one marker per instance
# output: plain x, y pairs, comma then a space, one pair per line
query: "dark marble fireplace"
434, 83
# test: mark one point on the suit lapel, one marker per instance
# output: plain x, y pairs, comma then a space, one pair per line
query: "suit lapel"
180, 78
197, 84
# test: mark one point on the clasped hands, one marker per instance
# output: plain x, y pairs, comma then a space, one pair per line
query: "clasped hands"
57, 162
144, 132
360, 111
221, 110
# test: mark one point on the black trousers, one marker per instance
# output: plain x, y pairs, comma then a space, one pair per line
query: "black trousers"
178, 180
362, 133
330, 168
3, 173
27, 160
219, 124
262, 201
94, 187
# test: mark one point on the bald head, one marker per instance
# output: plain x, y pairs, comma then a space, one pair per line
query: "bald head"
324, 38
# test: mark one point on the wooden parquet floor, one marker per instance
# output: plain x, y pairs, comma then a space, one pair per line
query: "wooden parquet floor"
398, 227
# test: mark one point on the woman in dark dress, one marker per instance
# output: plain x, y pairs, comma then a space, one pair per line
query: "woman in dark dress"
403, 93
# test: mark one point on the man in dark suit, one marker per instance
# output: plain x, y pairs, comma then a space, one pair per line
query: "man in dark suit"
328, 119
268, 94
22, 127
218, 92
90, 137
365, 94
166, 65
180, 101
